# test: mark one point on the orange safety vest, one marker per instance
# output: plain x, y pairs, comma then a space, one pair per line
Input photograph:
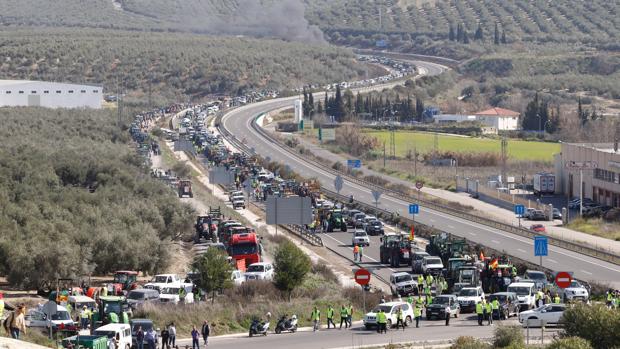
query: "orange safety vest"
356, 249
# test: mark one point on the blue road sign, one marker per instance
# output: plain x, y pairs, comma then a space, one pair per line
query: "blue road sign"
354, 163
540, 246
414, 209
519, 210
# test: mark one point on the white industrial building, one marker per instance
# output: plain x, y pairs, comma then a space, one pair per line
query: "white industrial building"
24, 93
496, 119
447, 118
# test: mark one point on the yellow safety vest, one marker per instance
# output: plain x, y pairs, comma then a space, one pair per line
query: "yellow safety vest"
343, 312
556, 300
381, 318
350, 310
479, 308
330, 313
400, 314
495, 304
316, 315
417, 311
489, 308
1, 308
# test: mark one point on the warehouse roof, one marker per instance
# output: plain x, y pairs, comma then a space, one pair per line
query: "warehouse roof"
8, 83
498, 112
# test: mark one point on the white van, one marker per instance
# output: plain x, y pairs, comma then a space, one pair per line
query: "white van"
526, 294
122, 332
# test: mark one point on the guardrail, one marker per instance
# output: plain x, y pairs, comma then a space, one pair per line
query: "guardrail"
575, 247
314, 239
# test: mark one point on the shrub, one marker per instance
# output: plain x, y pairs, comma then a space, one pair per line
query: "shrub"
291, 266
508, 336
570, 343
467, 342
595, 323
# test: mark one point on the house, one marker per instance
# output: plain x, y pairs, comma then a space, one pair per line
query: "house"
447, 118
499, 118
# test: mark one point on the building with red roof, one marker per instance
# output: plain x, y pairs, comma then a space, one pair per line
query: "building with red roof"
499, 118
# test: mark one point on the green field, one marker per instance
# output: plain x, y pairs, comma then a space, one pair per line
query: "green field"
424, 142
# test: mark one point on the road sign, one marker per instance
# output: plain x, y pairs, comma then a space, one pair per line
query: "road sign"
376, 194
563, 279
519, 210
419, 185
247, 186
540, 246
581, 164
362, 276
414, 209
50, 309
355, 163
338, 183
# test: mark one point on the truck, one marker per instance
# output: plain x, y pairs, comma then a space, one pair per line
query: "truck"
395, 249
163, 280
245, 249
544, 183
185, 188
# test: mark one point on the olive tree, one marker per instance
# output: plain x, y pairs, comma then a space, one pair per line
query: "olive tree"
214, 270
291, 267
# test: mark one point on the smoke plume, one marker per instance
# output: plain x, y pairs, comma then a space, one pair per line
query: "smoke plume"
282, 19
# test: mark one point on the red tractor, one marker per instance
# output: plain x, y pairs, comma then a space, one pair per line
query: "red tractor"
124, 280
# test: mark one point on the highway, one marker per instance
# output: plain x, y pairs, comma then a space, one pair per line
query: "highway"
238, 123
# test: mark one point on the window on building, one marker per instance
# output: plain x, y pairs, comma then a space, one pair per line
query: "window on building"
83, 91
95, 91
70, 91
58, 91
46, 92
8, 92
33, 92
21, 92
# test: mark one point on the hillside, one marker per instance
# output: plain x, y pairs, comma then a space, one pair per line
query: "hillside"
172, 65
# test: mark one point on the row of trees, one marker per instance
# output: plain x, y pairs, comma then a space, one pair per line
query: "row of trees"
461, 35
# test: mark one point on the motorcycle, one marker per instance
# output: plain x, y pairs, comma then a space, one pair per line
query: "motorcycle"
257, 327
285, 324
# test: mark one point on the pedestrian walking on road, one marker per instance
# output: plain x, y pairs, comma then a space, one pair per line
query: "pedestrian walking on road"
399, 318
206, 330
150, 338
330, 316
172, 331
417, 313
165, 338
479, 312
361, 254
350, 315
195, 338
315, 317
489, 310
356, 252
381, 322
140, 338
344, 317
448, 314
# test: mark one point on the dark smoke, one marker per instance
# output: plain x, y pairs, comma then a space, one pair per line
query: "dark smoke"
282, 19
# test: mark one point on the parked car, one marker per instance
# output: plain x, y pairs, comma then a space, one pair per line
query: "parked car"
238, 203
557, 214
176, 294
360, 238
432, 265
548, 314
118, 332
508, 304
528, 212
37, 318
402, 284
416, 261
576, 291
138, 297
237, 277
468, 297
437, 309
539, 228
350, 218
259, 271
391, 311
538, 215
539, 278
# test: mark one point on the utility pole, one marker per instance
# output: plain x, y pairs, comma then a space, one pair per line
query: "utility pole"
119, 104
380, 19
504, 158
383, 154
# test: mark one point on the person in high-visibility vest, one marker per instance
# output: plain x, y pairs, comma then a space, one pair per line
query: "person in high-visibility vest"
417, 314
429, 300
429, 280
409, 299
381, 322
489, 309
113, 318
420, 283
350, 315
316, 319
495, 308
344, 317
399, 318
556, 299
330, 316
610, 297
84, 316
356, 251
361, 253
479, 312
1, 305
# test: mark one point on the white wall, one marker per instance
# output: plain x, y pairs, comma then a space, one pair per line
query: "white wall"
500, 123
49, 95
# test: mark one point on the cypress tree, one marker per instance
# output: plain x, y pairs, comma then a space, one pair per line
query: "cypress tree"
496, 35
479, 34
451, 35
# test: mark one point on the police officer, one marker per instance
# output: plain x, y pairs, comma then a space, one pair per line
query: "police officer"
420, 283
556, 299
350, 315
344, 317
495, 308
417, 313
479, 312
330, 316
381, 322
489, 310
1, 305
84, 315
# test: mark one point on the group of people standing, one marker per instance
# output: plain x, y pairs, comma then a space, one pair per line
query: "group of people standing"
346, 317
148, 339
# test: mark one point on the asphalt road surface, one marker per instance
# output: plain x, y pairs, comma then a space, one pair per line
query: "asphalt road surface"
429, 331
238, 122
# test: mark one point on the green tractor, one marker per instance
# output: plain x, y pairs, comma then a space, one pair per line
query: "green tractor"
336, 221
112, 309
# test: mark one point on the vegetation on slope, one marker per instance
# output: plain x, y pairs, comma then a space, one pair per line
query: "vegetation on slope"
52, 225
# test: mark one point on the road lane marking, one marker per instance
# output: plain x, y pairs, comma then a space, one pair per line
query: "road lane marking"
472, 234
587, 272
552, 261
451, 227
520, 250
495, 241
432, 220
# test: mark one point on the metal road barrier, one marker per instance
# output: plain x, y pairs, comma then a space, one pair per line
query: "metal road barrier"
300, 231
596, 252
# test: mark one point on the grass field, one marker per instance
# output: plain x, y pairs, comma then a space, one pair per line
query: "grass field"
424, 142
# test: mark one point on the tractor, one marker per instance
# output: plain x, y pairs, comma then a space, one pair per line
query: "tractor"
109, 305
335, 221
185, 188
395, 249
124, 280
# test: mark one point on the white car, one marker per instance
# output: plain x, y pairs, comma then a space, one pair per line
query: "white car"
172, 294
238, 203
259, 271
402, 283
121, 332
36, 318
575, 291
360, 238
548, 314
163, 280
432, 265
237, 277
468, 297
391, 311
526, 294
